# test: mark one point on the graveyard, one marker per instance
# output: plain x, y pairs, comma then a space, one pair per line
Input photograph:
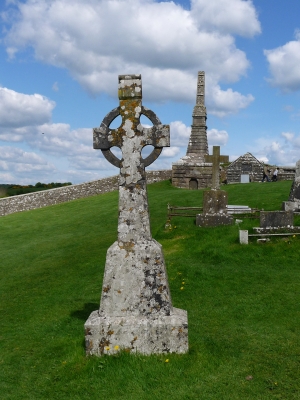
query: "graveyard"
242, 302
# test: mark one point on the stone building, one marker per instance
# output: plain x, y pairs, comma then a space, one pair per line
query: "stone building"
191, 171
245, 168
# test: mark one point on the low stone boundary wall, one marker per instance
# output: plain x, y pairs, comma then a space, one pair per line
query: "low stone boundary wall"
31, 201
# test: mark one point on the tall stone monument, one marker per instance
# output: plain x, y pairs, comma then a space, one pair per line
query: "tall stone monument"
136, 312
293, 204
192, 171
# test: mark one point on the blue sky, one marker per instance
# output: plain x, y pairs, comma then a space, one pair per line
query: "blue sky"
60, 61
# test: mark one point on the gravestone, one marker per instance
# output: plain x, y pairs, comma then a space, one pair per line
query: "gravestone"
215, 201
136, 312
276, 219
293, 204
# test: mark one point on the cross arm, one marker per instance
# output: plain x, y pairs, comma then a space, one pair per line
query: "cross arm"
103, 137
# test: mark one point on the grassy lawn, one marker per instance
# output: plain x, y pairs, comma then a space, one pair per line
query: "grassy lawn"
243, 303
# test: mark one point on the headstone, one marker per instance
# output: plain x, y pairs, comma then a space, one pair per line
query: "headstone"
293, 204
215, 201
276, 219
136, 312
243, 234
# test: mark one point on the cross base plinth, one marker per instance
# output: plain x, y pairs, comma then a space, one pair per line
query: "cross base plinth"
165, 334
214, 209
136, 311
212, 220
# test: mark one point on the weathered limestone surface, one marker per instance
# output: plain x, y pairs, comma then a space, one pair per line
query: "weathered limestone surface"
192, 171
136, 311
278, 219
44, 198
293, 204
214, 209
216, 159
215, 201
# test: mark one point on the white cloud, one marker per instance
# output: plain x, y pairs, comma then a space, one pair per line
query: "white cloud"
228, 16
224, 102
99, 39
23, 166
216, 137
19, 110
170, 151
180, 133
281, 150
284, 65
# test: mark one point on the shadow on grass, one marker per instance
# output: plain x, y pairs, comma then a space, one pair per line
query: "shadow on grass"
85, 312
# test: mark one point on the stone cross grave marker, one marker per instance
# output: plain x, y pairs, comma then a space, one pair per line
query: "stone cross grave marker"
216, 158
136, 312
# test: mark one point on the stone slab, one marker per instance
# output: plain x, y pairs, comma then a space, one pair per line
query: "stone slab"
291, 229
243, 235
136, 334
280, 219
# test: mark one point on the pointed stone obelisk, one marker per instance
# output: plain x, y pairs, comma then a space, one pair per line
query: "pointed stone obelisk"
198, 147
136, 312
194, 171
191, 171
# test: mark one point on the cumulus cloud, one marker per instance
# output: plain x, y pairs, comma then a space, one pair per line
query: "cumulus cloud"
17, 164
214, 14
19, 110
224, 102
180, 133
284, 65
281, 150
216, 137
99, 39
170, 151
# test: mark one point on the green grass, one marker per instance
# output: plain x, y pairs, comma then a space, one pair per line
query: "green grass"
242, 303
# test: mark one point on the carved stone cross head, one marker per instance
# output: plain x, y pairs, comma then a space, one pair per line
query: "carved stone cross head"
131, 136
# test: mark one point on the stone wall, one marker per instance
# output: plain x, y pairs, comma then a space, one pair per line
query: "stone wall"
191, 176
31, 201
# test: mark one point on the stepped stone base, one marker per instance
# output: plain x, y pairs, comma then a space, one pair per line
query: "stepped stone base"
191, 175
164, 334
212, 220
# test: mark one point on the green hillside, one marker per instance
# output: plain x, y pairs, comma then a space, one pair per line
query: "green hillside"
242, 303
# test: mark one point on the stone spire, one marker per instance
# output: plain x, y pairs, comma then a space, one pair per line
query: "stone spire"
198, 147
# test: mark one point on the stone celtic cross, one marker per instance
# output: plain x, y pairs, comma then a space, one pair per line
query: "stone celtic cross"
131, 137
136, 312
216, 158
